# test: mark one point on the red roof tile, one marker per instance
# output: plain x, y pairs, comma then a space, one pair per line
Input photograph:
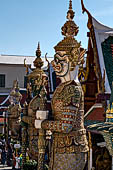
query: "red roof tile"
96, 114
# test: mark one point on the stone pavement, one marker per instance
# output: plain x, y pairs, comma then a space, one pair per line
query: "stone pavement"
2, 167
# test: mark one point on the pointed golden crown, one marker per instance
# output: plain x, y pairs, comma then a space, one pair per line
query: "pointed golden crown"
38, 63
69, 30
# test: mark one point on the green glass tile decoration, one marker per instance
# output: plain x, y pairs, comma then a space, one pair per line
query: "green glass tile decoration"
108, 58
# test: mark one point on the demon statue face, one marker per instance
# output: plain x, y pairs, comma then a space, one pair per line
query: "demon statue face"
66, 64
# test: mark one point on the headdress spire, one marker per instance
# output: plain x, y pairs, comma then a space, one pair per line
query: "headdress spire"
70, 5
38, 63
69, 30
70, 12
38, 52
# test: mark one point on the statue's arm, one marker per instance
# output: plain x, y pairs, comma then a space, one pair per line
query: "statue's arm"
58, 126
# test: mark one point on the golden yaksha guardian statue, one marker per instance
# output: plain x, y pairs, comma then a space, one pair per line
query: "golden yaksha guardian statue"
37, 81
70, 146
14, 110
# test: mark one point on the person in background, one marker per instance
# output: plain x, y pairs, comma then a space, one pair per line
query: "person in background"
17, 165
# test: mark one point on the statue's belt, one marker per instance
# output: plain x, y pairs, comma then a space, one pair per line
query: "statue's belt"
72, 133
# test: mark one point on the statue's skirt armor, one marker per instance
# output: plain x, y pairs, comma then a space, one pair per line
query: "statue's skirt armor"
73, 161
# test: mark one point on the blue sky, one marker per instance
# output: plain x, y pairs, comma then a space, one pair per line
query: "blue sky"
25, 22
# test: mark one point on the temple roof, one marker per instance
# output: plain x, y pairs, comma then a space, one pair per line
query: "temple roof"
16, 59
19, 60
94, 114
102, 43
